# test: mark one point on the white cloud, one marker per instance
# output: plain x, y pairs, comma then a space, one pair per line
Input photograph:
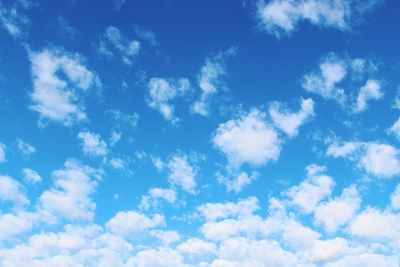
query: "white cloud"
196, 246
247, 139
12, 20
162, 92
163, 257
12, 225
340, 150
328, 250
210, 81
132, 223
114, 41
31, 176
239, 182
395, 129
338, 211
12, 190
312, 190
338, 76
92, 144
325, 82
166, 237
2, 153
370, 91
69, 197
182, 173
372, 224
381, 160
24, 147
395, 198
282, 17
290, 122
155, 195
59, 81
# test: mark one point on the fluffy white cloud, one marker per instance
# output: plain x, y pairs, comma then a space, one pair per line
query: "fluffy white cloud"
59, 81
312, 190
281, 17
370, 91
31, 176
24, 147
210, 81
69, 197
162, 92
182, 173
163, 257
372, 224
132, 223
155, 195
12, 225
92, 144
328, 250
12, 190
339, 211
248, 139
290, 122
239, 181
2, 153
381, 160
337, 76
114, 42
196, 246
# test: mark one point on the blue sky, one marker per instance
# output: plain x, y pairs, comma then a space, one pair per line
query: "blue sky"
200, 133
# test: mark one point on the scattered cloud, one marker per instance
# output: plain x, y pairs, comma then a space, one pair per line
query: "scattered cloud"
282, 17
12, 18
290, 122
24, 147
11, 190
248, 139
31, 176
162, 92
2, 153
92, 144
155, 196
57, 97
182, 172
115, 44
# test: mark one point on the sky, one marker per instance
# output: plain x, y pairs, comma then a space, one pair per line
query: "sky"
182, 133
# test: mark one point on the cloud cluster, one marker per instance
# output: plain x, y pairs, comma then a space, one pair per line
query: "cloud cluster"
282, 17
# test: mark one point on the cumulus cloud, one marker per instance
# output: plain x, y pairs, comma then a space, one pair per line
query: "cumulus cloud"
11, 190
370, 91
311, 191
372, 224
60, 80
92, 144
182, 173
196, 246
248, 139
24, 147
282, 17
238, 182
12, 225
337, 78
339, 211
116, 44
70, 195
31, 176
381, 160
210, 81
162, 92
290, 122
155, 195
132, 223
